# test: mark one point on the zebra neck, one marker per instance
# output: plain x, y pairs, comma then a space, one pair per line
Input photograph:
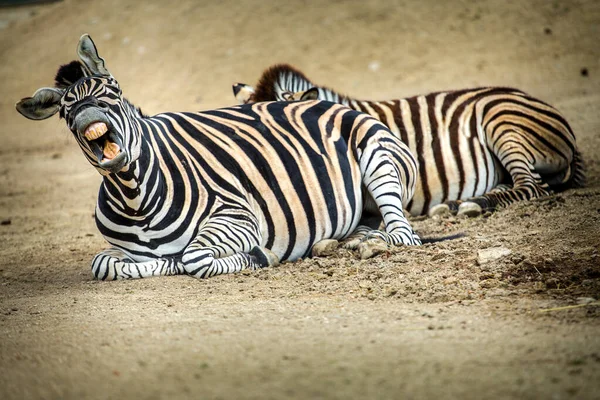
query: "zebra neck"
135, 191
330, 95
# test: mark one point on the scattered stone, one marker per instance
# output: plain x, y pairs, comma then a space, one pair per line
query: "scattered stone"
491, 254
548, 31
469, 209
324, 248
584, 72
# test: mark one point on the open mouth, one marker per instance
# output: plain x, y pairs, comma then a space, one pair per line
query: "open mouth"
105, 145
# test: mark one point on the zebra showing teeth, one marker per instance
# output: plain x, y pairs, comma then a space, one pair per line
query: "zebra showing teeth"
220, 191
95, 130
111, 150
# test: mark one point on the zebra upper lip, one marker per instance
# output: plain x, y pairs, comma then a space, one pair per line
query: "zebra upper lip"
105, 145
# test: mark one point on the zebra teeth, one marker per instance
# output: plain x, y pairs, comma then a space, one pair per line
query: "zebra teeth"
110, 151
95, 130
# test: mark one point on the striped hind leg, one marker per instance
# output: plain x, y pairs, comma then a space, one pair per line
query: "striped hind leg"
114, 264
389, 172
527, 183
227, 243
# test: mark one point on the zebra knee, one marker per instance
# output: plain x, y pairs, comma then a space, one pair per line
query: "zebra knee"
198, 265
104, 267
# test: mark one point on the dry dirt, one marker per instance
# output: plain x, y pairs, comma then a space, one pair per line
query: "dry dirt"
419, 322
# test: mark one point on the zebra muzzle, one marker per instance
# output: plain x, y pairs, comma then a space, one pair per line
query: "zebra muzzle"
101, 139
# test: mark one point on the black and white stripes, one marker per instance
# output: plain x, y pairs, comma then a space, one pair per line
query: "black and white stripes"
467, 142
218, 191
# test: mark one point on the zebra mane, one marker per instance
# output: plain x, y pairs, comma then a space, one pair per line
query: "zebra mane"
68, 74
137, 110
282, 78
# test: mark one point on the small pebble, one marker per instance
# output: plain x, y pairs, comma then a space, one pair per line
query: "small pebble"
493, 253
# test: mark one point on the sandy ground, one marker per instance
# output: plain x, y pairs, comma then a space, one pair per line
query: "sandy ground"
434, 321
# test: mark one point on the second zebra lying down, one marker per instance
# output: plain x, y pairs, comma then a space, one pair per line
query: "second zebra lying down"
218, 191
490, 146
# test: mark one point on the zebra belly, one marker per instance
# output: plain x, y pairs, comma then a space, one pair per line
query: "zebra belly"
456, 171
309, 212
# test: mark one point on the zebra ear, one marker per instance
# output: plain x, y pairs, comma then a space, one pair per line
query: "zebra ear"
310, 94
243, 93
44, 104
93, 63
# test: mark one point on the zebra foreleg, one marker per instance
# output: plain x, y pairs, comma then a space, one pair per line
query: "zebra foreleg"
227, 243
356, 237
202, 263
114, 264
389, 173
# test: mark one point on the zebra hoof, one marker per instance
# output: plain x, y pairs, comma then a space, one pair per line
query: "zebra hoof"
440, 209
469, 209
324, 248
264, 257
372, 247
351, 243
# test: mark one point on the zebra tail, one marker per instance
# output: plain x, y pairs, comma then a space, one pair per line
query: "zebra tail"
442, 238
577, 177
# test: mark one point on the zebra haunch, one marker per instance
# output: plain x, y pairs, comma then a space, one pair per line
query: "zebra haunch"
483, 147
219, 191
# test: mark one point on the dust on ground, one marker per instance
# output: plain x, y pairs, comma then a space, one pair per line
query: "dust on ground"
509, 311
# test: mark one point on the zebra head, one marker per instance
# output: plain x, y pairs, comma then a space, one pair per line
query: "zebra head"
280, 82
90, 100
